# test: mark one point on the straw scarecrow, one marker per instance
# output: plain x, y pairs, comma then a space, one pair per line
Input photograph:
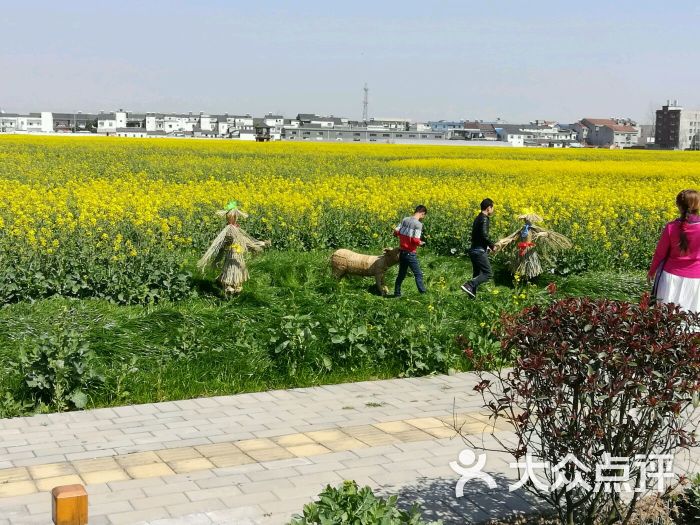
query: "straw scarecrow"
530, 243
231, 245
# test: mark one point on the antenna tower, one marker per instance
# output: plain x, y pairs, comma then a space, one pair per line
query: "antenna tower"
365, 103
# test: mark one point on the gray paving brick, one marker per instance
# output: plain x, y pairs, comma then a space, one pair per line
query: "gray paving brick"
14, 457
322, 467
106, 498
322, 478
170, 488
398, 457
164, 500
107, 509
242, 515
38, 519
192, 507
265, 486
226, 481
240, 469
12, 511
59, 458
284, 463
129, 484
225, 493
275, 474
255, 498
381, 450
90, 454
99, 520
136, 516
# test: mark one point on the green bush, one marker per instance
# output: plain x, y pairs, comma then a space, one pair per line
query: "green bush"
10, 407
59, 370
351, 505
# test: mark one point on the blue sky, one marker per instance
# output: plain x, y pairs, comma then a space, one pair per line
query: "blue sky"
435, 59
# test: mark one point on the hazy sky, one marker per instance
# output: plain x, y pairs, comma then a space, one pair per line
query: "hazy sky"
431, 59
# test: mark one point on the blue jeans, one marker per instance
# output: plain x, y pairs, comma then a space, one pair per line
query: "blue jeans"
409, 260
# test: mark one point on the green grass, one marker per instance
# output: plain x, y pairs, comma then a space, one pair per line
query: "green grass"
334, 331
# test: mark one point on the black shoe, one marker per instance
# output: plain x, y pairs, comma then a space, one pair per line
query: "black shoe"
469, 290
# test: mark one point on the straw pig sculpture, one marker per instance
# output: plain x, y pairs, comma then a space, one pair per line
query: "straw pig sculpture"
346, 262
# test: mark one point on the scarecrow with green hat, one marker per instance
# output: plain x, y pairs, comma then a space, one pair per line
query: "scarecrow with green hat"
231, 245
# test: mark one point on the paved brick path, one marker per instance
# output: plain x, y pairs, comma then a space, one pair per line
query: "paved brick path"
256, 458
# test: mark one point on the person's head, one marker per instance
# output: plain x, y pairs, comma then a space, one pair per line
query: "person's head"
688, 202
487, 207
420, 212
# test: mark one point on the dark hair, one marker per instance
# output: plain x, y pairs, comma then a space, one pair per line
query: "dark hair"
421, 209
689, 202
486, 203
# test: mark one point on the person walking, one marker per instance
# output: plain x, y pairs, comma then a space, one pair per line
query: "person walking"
675, 267
409, 234
480, 248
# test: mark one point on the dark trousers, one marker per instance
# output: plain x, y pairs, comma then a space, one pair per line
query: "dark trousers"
482, 267
409, 260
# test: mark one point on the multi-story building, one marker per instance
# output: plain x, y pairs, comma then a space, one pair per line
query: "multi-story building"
533, 134
609, 132
74, 122
446, 125
359, 133
464, 129
8, 122
677, 128
647, 134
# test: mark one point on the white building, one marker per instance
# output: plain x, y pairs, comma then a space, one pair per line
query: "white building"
8, 122
154, 122
247, 133
107, 123
31, 123
276, 123
550, 136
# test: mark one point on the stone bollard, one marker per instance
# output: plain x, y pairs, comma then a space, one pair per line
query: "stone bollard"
69, 505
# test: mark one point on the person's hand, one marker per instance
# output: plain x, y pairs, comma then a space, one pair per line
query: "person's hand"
650, 279
422, 243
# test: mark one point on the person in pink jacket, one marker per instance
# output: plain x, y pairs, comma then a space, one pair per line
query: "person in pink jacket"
675, 268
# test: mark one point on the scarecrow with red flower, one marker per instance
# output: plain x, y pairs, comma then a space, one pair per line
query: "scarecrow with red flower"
529, 244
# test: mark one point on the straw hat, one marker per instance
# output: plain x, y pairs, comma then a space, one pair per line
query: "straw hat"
530, 218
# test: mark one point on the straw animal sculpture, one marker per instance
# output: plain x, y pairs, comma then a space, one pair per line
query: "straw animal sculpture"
346, 262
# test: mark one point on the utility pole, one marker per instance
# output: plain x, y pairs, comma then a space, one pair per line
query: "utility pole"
365, 104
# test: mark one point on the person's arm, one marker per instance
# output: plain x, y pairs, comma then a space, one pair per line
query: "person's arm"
662, 249
417, 239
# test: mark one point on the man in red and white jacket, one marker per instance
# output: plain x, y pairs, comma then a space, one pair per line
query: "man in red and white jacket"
409, 234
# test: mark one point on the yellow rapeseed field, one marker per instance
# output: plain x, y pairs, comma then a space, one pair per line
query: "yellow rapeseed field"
78, 199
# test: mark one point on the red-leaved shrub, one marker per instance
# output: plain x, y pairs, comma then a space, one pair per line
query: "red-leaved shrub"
596, 377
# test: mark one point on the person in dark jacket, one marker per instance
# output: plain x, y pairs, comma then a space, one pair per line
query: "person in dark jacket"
480, 248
